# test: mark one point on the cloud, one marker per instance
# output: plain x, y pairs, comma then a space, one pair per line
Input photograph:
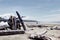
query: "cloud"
50, 18
55, 11
7, 15
26, 17
29, 18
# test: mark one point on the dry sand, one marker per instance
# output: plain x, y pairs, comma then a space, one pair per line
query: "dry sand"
54, 34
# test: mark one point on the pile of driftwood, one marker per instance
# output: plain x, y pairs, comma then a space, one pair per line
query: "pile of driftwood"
39, 37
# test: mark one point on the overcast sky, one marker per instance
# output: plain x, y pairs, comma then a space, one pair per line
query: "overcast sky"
42, 10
